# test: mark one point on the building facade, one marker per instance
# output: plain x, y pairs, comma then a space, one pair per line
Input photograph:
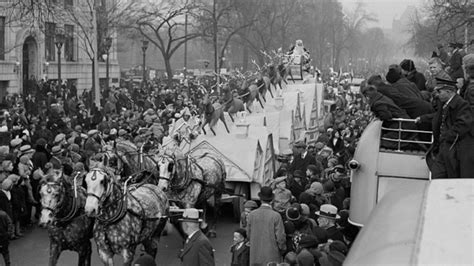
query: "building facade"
31, 53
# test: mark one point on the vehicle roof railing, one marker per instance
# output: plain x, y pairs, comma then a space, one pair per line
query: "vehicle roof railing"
401, 130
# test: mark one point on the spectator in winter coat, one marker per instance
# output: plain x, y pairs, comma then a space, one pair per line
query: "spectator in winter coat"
240, 249
436, 71
266, 232
385, 109
5, 235
282, 199
297, 183
401, 83
410, 72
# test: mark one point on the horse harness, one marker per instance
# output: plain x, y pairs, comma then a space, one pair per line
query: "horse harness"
63, 195
122, 209
189, 162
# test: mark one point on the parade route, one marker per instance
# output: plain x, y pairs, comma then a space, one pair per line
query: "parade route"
33, 248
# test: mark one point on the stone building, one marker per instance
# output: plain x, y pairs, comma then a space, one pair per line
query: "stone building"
31, 53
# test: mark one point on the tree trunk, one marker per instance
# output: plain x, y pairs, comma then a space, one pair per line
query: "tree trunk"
169, 70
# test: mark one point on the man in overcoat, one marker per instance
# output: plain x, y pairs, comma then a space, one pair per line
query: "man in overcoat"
266, 232
453, 132
197, 250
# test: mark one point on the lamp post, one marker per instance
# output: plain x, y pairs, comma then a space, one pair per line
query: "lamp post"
59, 41
108, 44
144, 47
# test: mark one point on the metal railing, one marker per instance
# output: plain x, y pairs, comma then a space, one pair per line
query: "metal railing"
401, 130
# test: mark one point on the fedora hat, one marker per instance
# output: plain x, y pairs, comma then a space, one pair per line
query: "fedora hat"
191, 215
328, 211
26, 149
56, 150
266, 194
293, 214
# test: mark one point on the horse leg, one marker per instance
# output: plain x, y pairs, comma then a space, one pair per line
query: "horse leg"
203, 130
212, 130
151, 246
270, 90
85, 252
106, 256
248, 108
231, 118
260, 101
127, 255
54, 252
222, 117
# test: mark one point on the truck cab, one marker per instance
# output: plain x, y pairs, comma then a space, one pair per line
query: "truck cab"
406, 218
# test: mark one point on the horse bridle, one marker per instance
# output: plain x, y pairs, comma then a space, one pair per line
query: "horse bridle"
108, 186
62, 195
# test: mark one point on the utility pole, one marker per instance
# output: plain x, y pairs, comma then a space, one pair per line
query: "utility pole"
216, 50
185, 46
95, 80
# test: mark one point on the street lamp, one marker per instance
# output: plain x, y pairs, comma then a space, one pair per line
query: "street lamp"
59, 41
107, 45
144, 47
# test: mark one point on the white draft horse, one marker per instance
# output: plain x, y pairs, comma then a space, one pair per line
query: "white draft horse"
191, 181
63, 214
125, 216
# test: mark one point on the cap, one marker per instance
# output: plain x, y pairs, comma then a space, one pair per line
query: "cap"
92, 132
15, 142
300, 144
445, 84
468, 60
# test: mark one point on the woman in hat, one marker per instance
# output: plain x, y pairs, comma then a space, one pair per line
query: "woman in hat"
282, 199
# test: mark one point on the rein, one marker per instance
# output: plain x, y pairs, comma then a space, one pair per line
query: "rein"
63, 195
111, 188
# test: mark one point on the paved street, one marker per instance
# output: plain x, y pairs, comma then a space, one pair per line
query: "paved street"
33, 249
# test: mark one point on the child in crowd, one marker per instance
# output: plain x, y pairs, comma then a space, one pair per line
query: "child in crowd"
240, 249
249, 206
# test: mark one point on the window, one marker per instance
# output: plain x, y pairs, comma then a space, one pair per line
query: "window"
49, 41
2, 38
69, 43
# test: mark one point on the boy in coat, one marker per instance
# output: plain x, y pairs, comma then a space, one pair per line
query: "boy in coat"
240, 249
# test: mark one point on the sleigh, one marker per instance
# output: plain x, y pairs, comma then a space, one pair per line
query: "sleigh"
296, 65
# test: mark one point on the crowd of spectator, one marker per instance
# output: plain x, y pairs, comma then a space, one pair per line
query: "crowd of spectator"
303, 215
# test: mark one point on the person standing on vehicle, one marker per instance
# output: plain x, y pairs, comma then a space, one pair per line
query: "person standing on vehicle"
266, 232
452, 153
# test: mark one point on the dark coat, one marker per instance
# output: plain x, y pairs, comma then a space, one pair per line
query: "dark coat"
241, 256
198, 251
456, 147
419, 80
300, 163
40, 158
385, 109
455, 64
407, 88
413, 106
5, 204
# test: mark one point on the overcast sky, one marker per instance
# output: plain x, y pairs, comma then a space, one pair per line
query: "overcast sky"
385, 10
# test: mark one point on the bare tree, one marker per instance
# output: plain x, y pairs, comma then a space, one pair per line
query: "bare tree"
163, 25
220, 23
